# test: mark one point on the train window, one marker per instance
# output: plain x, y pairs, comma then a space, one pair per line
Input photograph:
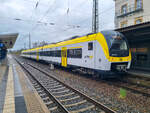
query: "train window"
78, 53
46, 53
50, 53
40, 53
58, 53
75, 53
70, 53
90, 46
53, 54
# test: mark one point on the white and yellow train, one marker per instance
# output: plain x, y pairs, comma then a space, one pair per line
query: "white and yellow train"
105, 53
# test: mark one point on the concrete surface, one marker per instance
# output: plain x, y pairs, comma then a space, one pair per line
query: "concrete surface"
17, 95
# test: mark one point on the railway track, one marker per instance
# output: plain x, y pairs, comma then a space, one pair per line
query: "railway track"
60, 97
133, 87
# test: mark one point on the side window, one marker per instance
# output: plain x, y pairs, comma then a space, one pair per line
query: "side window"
90, 46
74, 53
58, 53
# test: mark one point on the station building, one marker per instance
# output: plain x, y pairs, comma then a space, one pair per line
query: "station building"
132, 18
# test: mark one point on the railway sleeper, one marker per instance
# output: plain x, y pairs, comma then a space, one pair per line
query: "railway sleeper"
83, 109
52, 108
64, 91
79, 106
58, 89
57, 86
49, 102
45, 98
40, 91
69, 99
52, 82
65, 95
43, 95
76, 104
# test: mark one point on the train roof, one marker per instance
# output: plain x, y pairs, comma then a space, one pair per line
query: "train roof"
68, 41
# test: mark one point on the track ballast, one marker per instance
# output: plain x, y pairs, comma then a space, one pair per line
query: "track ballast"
60, 97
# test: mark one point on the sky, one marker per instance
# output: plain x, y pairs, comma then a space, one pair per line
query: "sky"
52, 20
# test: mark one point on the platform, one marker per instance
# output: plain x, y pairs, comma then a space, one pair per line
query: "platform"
17, 95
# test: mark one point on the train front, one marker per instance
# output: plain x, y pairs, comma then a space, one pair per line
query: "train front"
119, 53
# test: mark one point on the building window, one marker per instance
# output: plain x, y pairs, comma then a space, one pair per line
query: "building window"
138, 20
123, 24
124, 9
138, 4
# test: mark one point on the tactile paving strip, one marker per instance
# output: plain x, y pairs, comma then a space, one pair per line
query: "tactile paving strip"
9, 105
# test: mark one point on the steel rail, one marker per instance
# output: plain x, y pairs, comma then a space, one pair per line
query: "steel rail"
130, 89
64, 110
98, 104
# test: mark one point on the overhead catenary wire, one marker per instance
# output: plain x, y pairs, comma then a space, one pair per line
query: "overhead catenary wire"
47, 11
73, 28
38, 22
47, 23
68, 12
36, 5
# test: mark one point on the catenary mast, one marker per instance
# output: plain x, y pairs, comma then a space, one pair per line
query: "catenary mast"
95, 19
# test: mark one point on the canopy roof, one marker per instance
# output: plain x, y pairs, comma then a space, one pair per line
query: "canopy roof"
136, 33
8, 39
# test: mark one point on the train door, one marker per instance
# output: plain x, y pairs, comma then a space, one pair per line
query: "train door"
37, 55
64, 56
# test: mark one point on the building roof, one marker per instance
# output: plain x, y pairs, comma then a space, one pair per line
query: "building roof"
8, 39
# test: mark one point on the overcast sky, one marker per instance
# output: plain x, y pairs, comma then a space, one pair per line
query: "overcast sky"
52, 20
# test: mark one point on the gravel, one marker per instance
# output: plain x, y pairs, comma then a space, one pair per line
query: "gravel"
103, 92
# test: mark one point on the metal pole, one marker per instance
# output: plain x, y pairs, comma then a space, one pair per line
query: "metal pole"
24, 45
29, 41
95, 20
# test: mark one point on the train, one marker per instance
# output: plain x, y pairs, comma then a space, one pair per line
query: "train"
104, 54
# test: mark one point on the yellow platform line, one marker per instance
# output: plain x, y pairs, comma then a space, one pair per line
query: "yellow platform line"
9, 104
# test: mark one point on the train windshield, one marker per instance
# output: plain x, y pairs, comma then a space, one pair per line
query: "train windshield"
117, 43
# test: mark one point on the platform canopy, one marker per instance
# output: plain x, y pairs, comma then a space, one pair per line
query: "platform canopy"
136, 33
8, 39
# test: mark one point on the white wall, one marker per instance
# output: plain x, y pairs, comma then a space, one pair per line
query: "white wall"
131, 18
